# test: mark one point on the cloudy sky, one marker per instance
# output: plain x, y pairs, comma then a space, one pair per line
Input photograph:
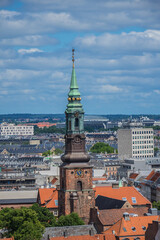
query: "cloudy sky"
117, 45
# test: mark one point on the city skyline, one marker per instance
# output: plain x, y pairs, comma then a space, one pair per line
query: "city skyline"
117, 55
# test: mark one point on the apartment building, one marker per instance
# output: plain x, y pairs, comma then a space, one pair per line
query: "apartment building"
135, 143
12, 130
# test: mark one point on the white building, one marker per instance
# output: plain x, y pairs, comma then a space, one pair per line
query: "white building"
135, 143
12, 130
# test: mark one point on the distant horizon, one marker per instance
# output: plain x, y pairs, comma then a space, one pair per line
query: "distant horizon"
94, 114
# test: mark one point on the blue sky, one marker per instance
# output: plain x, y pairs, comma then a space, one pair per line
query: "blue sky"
117, 55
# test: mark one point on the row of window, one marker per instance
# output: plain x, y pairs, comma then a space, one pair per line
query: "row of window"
25, 127
133, 199
142, 152
143, 137
144, 156
9, 130
111, 168
16, 133
142, 146
142, 132
142, 142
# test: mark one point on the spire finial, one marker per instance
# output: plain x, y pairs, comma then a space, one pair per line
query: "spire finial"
73, 50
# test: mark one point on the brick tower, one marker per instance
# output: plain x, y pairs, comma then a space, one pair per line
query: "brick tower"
76, 193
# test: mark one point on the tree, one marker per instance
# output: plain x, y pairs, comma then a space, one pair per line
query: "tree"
47, 153
156, 205
58, 151
21, 223
51, 129
101, 148
69, 220
46, 218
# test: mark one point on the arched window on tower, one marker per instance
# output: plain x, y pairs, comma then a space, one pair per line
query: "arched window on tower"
76, 123
79, 186
69, 125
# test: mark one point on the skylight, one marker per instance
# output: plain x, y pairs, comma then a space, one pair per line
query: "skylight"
56, 202
124, 229
134, 200
144, 228
124, 198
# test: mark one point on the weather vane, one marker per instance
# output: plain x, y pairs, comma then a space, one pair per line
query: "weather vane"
73, 50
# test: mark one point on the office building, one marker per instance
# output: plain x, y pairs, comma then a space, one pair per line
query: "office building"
135, 143
13, 130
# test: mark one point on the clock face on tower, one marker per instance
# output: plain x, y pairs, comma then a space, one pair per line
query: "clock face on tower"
79, 173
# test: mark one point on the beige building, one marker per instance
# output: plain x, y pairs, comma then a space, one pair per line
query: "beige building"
135, 143
12, 129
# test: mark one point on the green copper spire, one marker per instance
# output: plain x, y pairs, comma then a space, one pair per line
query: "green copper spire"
74, 92
74, 111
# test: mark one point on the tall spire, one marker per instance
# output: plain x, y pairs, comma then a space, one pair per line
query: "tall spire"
74, 90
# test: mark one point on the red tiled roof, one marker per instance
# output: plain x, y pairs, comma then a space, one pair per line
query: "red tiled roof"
7, 238
150, 175
110, 216
48, 196
122, 192
54, 180
99, 178
133, 175
155, 177
108, 236
133, 227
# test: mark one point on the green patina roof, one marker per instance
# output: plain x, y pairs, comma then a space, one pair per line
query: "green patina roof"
74, 92
74, 105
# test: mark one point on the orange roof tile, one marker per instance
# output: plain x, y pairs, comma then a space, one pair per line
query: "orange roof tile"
150, 175
133, 175
7, 238
108, 236
48, 197
155, 177
134, 226
120, 193
99, 178
111, 216
54, 180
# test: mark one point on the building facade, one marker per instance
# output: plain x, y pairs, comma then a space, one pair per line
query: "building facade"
135, 143
76, 192
13, 130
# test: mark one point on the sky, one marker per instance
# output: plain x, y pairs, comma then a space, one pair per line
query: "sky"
117, 55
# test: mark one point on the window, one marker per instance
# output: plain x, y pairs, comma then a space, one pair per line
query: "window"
56, 202
134, 200
79, 186
76, 123
69, 125
124, 198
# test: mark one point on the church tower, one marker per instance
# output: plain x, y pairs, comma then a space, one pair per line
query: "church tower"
76, 193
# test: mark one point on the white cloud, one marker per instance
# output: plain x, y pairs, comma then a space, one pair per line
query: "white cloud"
30, 40
109, 89
27, 91
148, 40
157, 91
31, 50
